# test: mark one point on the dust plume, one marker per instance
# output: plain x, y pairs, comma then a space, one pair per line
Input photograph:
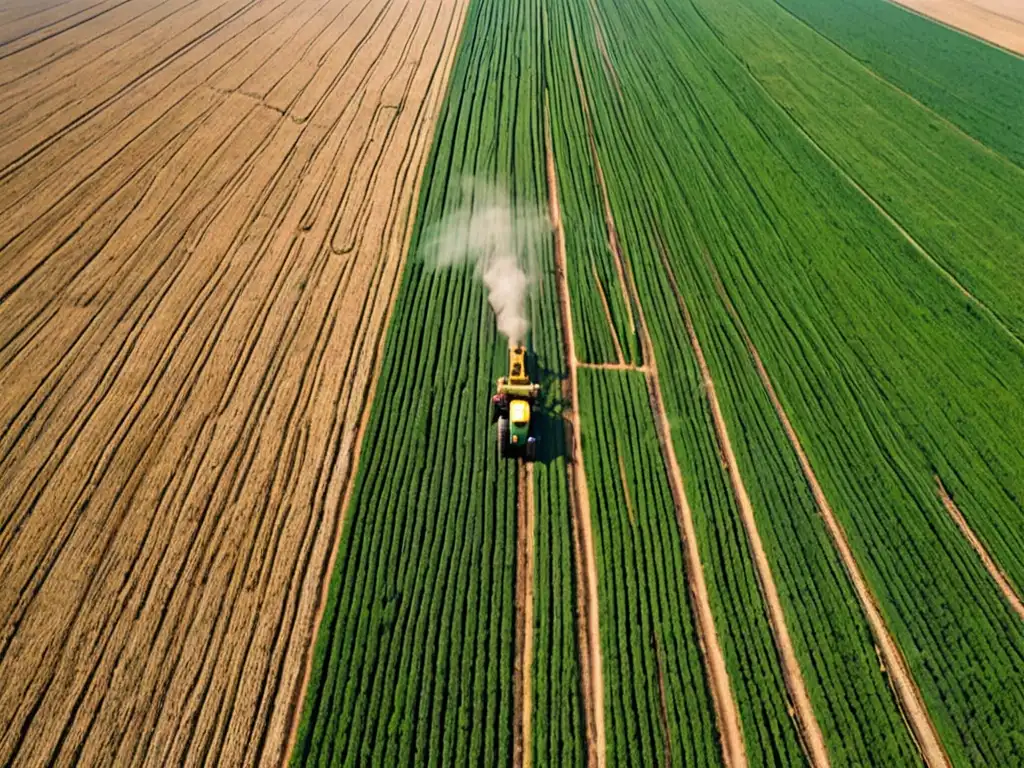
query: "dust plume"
500, 240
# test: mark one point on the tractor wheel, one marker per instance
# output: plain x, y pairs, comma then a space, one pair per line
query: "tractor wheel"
503, 445
531, 449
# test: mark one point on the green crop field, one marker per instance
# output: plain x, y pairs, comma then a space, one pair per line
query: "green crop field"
798, 245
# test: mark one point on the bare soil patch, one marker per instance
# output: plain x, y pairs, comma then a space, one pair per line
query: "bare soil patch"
204, 208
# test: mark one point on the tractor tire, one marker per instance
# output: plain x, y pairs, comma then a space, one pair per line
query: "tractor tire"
531, 449
503, 444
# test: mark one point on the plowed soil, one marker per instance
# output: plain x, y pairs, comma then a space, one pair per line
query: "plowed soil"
203, 211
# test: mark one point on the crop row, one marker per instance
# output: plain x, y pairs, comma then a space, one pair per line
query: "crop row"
415, 655
888, 373
955, 197
968, 82
656, 697
599, 302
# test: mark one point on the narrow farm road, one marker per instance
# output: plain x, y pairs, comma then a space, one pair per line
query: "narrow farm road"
590, 650
903, 683
810, 731
990, 565
524, 614
734, 752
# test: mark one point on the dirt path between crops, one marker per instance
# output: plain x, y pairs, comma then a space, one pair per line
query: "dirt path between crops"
583, 537
603, 48
608, 314
1000, 22
613, 235
906, 690
997, 573
205, 214
807, 722
524, 616
734, 751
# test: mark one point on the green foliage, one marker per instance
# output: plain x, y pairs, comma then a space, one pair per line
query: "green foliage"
964, 80
702, 115
887, 375
960, 201
649, 648
414, 658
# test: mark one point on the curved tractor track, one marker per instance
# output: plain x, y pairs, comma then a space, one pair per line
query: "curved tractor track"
204, 208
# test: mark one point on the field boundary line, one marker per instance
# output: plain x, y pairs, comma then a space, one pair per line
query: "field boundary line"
579, 498
961, 30
440, 78
609, 221
907, 693
807, 722
890, 84
931, 260
727, 715
998, 574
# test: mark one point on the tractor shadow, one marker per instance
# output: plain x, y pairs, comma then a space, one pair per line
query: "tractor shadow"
553, 430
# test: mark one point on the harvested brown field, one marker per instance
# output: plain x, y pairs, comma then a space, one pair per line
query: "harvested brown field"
205, 205
997, 21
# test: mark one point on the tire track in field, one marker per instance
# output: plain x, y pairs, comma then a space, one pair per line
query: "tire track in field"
583, 537
810, 732
997, 573
907, 692
727, 716
613, 236
726, 711
191, 358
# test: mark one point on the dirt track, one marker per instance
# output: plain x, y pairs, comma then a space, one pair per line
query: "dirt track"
583, 537
523, 680
727, 714
997, 574
902, 681
204, 210
807, 722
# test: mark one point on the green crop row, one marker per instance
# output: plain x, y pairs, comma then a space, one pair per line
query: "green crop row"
854, 705
592, 275
414, 658
656, 699
968, 82
962, 202
889, 375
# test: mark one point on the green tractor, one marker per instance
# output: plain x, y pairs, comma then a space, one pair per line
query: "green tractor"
512, 407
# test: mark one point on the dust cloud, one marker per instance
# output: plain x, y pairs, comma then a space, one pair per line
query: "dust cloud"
501, 240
